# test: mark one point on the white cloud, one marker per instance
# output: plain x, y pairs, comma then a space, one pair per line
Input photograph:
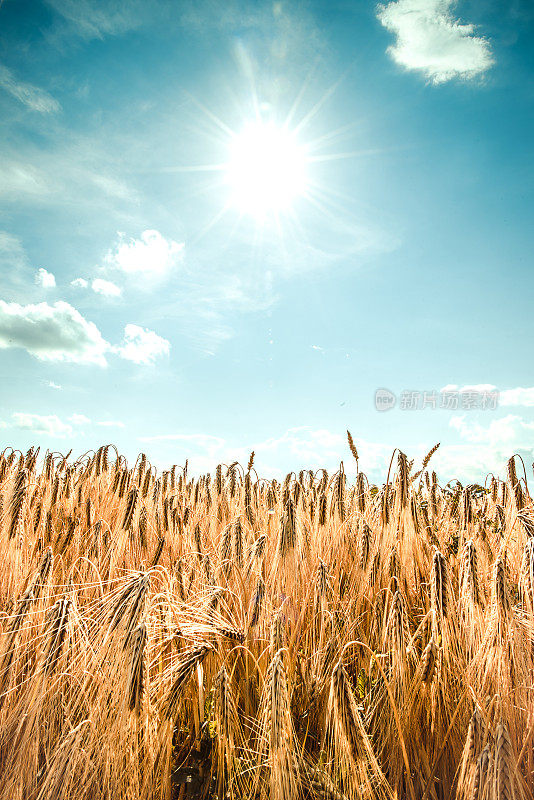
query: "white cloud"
52, 333
79, 419
517, 397
487, 450
141, 345
52, 385
49, 424
469, 463
105, 288
432, 41
151, 256
59, 332
510, 431
31, 96
520, 396
45, 279
99, 286
473, 387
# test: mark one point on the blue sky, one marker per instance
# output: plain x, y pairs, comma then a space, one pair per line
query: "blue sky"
141, 304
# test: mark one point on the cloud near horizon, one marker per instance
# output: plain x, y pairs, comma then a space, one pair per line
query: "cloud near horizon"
47, 424
507, 432
52, 425
430, 40
483, 450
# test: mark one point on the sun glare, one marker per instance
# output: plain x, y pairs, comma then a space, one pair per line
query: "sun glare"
267, 169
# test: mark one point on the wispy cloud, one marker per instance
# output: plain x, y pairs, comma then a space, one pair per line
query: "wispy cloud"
79, 419
45, 279
209, 300
12, 255
21, 179
76, 169
32, 97
16, 270
283, 33
113, 187
92, 19
431, 41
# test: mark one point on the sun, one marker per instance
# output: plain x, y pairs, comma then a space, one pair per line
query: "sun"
266, 177
266, 170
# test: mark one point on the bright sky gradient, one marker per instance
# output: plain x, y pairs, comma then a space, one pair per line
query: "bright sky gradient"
141, 304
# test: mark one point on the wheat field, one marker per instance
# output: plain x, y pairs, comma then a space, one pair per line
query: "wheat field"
228, 636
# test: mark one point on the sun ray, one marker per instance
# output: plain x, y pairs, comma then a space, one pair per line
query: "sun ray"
306, 82
340, 156
197, 168
211, 224
213, 117
330, 136
314, 110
